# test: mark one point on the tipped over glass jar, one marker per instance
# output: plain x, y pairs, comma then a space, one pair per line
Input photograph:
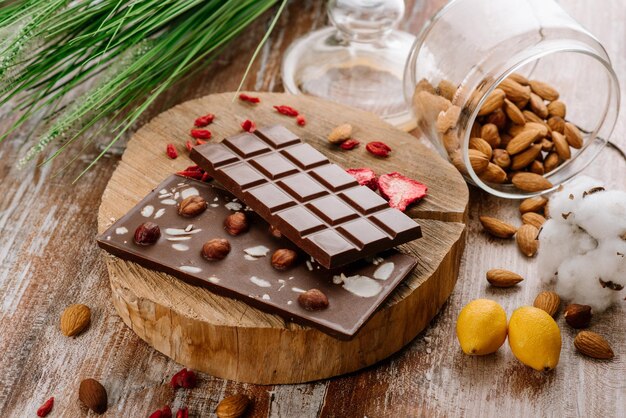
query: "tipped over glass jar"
515, 93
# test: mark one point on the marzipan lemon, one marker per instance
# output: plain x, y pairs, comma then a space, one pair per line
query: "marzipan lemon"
535, 338
481, 327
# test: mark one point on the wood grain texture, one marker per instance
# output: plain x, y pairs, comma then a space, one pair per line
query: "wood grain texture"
225, 337
48, 260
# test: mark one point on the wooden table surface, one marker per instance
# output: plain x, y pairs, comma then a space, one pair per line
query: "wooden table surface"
49, 259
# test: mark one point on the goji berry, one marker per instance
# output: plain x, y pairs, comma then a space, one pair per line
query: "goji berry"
205, 120
193, 172
248, 126
171, 152
206, 177
349, 144
201, 133
379, 149
364, 176
184, 378
45, 408
188, 145
401, 191
247, 98
165, 412
287, 110
200, 142
300, 120
182, 413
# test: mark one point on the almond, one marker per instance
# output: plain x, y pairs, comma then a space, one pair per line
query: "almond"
573, 135
489, 132
557, 108
544, 90
531, 117
498, 118
494, 101
593, 345
74, 319
503, 278
93, 395
522, 141
446, 89
497, 228
526, 238
557, 123
524, 159
537, 167
481, 145
478, 161
534, 219
561, 146
546, 145
451, 141
551, 162
531, 182
340, 133
501, 158
577, 316
515, 92
448, 119
233, 406
543, 129
548, 301
538, 106
517, 77
533, 204
475, 131
493, 174
513, 112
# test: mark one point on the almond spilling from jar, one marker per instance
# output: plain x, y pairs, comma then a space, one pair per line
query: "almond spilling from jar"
497, 228
526, 238
531, 182
503, 278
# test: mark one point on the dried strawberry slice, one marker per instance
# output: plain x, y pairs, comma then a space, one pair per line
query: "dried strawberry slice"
365, 177
379, 149
401, 191
349, 144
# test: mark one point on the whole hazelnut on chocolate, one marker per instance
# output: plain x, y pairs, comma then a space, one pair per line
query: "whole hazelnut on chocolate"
216, 249
192, 206
147, 233
313, 300
236, 223
578, 316
283, 258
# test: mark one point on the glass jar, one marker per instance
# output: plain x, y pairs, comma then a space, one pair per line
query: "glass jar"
463, 55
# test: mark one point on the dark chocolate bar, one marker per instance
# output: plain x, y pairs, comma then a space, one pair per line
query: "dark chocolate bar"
354, 291
316, 204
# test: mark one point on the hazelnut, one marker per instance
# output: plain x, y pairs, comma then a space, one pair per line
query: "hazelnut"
236, 223
147, 233
313, 300
283, 258
192, 206
216, 249
578, 316
275, 232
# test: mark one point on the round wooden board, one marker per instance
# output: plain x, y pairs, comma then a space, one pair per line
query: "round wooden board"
226, 337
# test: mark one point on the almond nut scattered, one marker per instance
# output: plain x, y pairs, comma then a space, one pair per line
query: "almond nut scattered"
593, 345
192, 206
232, 406
534, 219
497, 228
93, 395
215, 249
531, 182
340, 133
503, 278
75, 319
578, 316
283, 258
236, 223
313, 300
533, 204
548, 301
526, 238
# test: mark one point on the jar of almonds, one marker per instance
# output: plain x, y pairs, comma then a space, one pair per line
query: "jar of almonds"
515, 93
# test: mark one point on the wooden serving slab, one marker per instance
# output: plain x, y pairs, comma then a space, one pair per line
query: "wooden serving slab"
227, 338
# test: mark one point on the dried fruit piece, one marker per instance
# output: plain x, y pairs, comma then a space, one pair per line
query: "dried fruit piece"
147, 233
250, 99
497, 228
248, 126
526, 238
171, 152
205, 120
577, 316
379, 149
503, 278
215, 249
300, 120
192, 206
188, 145
45, 408
340, 133
548, 301
184, 379
287, 111
201, 133
236, 223
400, 191
75, 319
283, 258
93, 395
364, 176
164, 412
182, 413
349, 144
531, 182
313, 300
233, 406
200, 142
593, 345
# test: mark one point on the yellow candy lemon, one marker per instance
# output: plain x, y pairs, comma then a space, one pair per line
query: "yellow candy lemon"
535, 338
481, 327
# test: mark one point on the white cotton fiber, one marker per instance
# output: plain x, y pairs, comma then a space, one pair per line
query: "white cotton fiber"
583, 244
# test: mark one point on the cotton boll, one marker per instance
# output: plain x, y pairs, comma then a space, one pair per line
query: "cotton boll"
559, 241
568, 198
603, 214
578, 282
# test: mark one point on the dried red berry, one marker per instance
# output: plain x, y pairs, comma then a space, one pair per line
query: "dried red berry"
193, 172
349, 144
247, 98
401, 191
286, 110
45, 408
248, 126
206, 177
184, 378
147, 233
205, 120
200, 142
300, 120
182, 413
171, 152
188, 145
201, 133
365, 177
379, 149
165, 412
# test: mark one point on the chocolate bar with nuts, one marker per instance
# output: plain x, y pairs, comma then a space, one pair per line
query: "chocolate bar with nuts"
204, 236
316, 204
